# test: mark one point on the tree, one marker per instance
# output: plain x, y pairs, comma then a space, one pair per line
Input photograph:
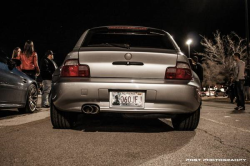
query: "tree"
217, 55
212, 74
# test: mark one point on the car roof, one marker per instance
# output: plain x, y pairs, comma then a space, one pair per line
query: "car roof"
128, 27
125, 28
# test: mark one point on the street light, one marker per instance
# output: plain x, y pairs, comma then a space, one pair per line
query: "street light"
188, 42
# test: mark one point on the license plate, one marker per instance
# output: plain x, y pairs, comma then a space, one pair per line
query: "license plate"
127, 99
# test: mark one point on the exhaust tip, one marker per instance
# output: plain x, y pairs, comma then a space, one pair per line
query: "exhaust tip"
87, 109
95, 109
90, 109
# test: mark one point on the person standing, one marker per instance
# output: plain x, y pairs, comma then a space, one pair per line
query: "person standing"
48, 66
239, 82
16, 53
29, 61
231, 90
246, 86
191, 63
198, 69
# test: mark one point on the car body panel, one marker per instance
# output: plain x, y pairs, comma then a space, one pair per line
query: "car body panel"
101, 64
210, 93
219, 93
13, 86
161, 95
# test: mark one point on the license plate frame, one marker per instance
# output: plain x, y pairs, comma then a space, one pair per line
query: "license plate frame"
123, 97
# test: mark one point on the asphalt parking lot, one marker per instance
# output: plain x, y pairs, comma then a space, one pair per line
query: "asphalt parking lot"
223, 134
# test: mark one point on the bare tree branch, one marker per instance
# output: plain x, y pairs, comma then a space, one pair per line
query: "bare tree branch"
217, 55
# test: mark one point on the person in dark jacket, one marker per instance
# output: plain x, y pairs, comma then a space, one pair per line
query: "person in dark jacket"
231, 90
246, 87
48, 66
191, 63
198, 69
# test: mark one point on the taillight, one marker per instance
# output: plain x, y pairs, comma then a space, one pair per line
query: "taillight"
72, 68
181, 71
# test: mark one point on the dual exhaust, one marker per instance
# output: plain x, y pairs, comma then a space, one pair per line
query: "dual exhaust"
90, 109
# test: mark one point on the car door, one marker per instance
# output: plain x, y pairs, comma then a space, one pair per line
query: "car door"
10, 83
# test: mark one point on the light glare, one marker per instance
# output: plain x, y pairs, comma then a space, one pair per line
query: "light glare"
189, 41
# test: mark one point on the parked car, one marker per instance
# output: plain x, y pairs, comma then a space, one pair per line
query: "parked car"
127, 70
219, 93
203, 93
17, 89
210, 93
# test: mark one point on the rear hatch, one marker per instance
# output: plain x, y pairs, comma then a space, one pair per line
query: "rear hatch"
114, 63
129, 53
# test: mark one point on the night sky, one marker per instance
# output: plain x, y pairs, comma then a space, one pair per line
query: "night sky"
58, 25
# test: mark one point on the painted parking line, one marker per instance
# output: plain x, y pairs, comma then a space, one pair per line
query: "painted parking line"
224, 124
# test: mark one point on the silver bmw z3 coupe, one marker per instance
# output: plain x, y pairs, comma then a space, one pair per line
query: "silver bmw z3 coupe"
129, 70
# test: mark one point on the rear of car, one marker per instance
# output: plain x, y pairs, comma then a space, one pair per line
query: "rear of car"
127, 70
203, 93
219, 93
210, 93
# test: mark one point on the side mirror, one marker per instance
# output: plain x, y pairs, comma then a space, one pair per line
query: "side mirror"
17, 62
13, 63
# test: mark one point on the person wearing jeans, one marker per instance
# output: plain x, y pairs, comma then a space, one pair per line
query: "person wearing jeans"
246, 87
239, 79
48, 66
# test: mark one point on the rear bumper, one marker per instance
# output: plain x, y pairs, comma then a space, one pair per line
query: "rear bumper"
161, 96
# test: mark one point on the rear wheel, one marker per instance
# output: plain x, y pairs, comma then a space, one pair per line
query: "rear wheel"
31, 101
186, 122
60, 119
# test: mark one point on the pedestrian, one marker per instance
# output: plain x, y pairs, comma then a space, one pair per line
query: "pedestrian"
16, 53
231, 90
246, 86
198, 69
48, 66
191, 63
29, 60
239, 79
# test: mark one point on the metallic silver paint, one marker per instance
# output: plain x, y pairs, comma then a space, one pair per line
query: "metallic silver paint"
128, 56
13, 87
162, 96
100, 64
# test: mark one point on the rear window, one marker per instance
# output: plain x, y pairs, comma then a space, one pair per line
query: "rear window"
141, 40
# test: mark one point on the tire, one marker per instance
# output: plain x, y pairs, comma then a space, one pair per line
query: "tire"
31, 101
186, 122
60, 119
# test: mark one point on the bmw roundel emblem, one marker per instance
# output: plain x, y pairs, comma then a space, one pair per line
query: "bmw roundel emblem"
128, 56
